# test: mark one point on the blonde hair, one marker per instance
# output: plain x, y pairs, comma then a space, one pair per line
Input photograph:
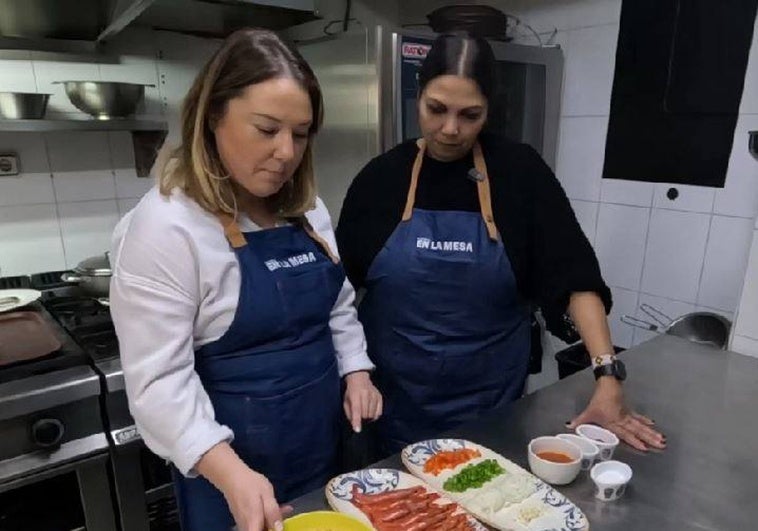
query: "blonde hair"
246, 57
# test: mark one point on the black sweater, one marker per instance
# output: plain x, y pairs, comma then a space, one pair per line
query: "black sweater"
549, 253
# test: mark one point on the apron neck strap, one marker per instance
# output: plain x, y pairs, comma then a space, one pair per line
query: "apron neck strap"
411, 199
482, 186
231, 230
303, 221
237, 239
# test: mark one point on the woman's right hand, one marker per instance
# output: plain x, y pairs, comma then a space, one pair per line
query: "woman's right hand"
251, 500
250, 495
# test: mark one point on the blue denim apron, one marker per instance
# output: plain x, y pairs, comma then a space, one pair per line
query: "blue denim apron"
272, 377
443, 319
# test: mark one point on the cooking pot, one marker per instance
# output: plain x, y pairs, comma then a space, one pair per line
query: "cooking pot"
92, 274
705, 328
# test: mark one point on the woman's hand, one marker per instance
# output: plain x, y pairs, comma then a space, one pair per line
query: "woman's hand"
251, 500
362, 399
250, 495
607, 409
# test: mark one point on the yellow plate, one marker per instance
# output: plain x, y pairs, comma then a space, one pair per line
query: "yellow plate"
324, 521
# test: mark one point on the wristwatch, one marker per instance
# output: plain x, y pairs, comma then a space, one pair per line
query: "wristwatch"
616, 368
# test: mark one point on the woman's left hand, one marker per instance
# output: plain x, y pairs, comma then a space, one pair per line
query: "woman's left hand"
607, 409
362, 399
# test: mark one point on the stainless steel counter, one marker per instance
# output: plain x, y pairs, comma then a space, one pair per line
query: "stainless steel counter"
704, 400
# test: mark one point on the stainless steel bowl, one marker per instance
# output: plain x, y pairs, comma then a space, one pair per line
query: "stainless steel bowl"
105, 99
23, 105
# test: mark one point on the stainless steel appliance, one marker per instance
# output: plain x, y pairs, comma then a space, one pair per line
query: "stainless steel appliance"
142, 487
524, 108
54, 452
368, 76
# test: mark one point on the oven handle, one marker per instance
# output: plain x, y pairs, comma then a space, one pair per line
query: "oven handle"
70, 452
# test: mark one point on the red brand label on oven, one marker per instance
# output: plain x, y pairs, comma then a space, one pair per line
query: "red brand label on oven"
415, 50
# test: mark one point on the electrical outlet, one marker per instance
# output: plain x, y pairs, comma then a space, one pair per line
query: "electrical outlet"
8, 165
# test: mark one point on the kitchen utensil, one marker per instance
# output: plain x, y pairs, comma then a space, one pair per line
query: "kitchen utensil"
25, 336
590, 450
23, 105
605, 440
105, 99
611, 479
10, 299
550, 471
705, 328
104, 301
93, 275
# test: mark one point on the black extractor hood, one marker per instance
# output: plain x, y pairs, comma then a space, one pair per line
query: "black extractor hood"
57, 24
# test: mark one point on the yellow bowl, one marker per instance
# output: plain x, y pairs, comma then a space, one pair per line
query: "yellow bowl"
324, 521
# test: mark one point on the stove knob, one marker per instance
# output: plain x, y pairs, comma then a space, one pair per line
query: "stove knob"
47, 433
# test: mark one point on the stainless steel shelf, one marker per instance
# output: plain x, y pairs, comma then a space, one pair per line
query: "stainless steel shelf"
43, 126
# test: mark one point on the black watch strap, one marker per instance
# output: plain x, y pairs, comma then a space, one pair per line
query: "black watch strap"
617, 369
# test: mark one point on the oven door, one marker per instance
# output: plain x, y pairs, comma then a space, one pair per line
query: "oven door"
54, 454
71, 495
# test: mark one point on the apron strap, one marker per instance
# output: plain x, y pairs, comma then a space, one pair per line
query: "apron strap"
237, 239
231, 230
317, 238
411, 199
485, 197
482, 187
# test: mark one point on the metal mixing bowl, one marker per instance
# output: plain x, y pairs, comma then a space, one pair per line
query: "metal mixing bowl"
22, 105
105, 99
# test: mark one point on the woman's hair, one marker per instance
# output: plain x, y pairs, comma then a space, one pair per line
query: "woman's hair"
246, 57
460, 55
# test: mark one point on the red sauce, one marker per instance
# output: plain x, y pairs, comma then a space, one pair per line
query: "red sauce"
555, 457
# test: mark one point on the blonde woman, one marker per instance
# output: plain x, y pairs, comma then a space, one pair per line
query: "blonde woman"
234, 318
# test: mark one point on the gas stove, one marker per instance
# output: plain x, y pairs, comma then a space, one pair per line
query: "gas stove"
142, 482
52, 424
89, 324
89, 358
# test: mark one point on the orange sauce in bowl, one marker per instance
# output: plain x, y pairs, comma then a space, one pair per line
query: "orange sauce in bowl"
555, 457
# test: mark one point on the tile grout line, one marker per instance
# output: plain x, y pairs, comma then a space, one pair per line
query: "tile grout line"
55, 196
668, 209
644, 249
644, 260
705, 256
679, 301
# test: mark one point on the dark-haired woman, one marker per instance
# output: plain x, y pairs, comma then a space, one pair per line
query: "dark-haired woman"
450, 236
234, 319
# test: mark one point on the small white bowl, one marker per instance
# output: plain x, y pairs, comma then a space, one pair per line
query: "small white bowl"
605, 440
550, 472
611, 479
589, 449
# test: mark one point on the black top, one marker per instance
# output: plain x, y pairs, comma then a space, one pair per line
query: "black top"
549, 253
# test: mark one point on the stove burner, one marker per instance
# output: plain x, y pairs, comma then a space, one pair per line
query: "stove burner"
88, 321
19, 282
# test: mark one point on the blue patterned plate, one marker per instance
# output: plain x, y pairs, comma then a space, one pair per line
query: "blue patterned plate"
339, 491
516, 501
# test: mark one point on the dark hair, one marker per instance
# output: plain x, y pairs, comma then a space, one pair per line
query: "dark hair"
246, 57
460, 55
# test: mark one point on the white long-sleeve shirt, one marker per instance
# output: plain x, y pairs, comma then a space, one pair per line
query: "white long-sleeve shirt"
175, 288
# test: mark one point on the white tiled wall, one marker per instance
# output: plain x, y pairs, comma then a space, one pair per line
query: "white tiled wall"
74, 186
681, 255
